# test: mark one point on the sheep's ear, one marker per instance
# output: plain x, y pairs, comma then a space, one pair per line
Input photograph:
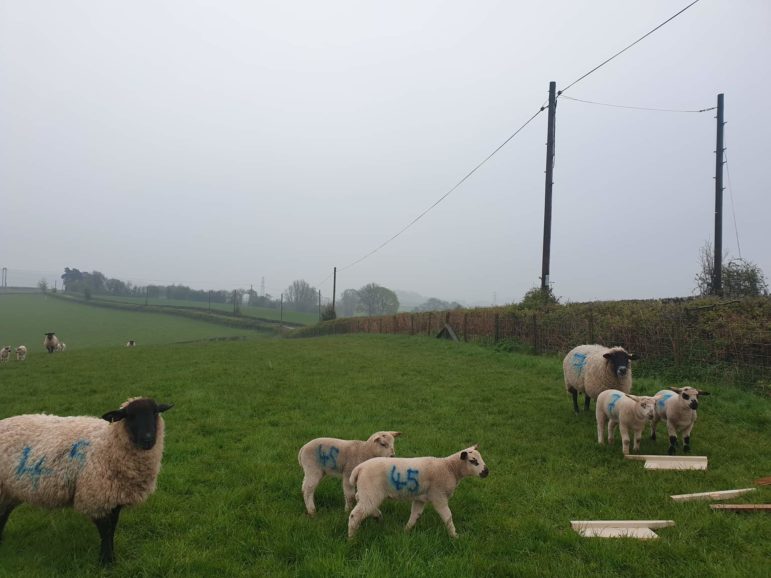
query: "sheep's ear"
606, 355
396, 434
634, 356
463, 455
633, 397
115, 415
675, 389
476, 446
164, 406
703, 392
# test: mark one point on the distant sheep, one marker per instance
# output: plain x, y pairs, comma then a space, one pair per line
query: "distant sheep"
420, 480
677, 407
591, 369
335, 457
131, 343
630, 412
61, 346
51, 342
21, 353
5, 354
95, 465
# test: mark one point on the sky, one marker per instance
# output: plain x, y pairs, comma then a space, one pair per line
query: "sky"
216, 144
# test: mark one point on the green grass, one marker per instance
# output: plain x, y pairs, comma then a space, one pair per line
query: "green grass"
256, 312
229, 504
25, 318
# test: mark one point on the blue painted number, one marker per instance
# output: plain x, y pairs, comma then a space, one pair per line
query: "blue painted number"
412, 484
329, 459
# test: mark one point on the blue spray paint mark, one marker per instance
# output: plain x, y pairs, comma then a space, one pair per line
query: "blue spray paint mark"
328, 458
35, 472
412, 484
579, 361
613, 400
78, 451
663, 400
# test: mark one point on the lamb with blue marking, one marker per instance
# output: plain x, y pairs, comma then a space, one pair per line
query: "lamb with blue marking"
629, 412
337, 458
420, 480
94, 465
677, 407
591, 369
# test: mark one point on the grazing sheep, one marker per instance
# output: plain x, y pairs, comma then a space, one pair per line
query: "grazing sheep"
420, 480
336, 457
131, 343
677, 406
591, 369
21, 353
95, 465
629, 412
51, 342
5, 354
61, 346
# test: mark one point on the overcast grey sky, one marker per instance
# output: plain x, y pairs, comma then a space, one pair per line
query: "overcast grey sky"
214, 143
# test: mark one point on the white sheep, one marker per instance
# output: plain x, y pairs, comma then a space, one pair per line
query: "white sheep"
21, 353
131, 343
50, 342
5, 354
629, 412
95, 465
591, 369
677, 407
335, 457
420, 480
61, 346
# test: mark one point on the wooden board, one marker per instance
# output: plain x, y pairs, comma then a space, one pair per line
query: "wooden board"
639, 533
645, 458
764, 481
621, 523
675, 465
721, 495
743, 507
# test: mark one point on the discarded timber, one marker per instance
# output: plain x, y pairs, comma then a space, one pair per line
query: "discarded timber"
764, 481
653, 462
743, 507
722, 495
640, 529
447, 333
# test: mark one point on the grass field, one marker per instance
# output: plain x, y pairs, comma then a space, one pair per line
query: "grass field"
25, 318
229, 504
257, 312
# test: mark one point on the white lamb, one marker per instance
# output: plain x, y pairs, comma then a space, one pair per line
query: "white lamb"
629, 412
677, 406
61, 346
5, 354
335, 457
591, 369
21, 353
420, 480
94, 465
131, 343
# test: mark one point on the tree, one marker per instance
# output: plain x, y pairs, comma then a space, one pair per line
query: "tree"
377, 300
43, 285
434, 304
348, 303
300, 296
536, 298
740, 278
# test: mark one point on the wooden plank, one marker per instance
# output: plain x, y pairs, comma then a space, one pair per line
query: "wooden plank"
576, 524
743, 507
639, 533
721, 495
764, 481
666, 458
675, 465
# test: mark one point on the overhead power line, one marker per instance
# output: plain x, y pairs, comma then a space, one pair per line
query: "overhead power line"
733, 209
444, 196
638, 107
579, 79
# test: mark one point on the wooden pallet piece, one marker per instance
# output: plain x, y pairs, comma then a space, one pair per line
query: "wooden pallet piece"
721, 495
764, 481
645, 458
742, 507
676, 465
639, 529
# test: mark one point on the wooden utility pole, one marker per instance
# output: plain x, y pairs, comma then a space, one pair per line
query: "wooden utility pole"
281, 318
550, 133
717, 272
334, 289
319, 304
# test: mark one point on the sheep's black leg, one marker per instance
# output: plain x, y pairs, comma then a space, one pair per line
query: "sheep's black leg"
4, 513
106, 528
574, 392
687, 444
587, 401
672, 445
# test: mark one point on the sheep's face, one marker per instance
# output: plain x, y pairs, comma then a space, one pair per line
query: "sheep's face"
646, 406
473, 464
689, 396
49, 336
383, 442
140, 417
619, 359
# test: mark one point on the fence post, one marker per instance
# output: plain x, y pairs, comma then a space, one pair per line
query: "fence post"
380, 325
535, 333
428, 331
412, 324
465, 321
497, 328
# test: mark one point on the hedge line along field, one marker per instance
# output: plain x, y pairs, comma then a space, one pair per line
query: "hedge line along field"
229, 502
25, 318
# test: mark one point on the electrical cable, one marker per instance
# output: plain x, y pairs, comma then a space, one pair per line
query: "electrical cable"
733, 209
638, 107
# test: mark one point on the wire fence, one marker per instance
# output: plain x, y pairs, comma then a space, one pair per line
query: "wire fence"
720, 341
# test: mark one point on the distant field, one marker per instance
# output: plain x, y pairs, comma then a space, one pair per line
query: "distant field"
258, 312
229, 502
25, 318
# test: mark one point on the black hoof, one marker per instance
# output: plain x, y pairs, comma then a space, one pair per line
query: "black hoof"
671, 450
